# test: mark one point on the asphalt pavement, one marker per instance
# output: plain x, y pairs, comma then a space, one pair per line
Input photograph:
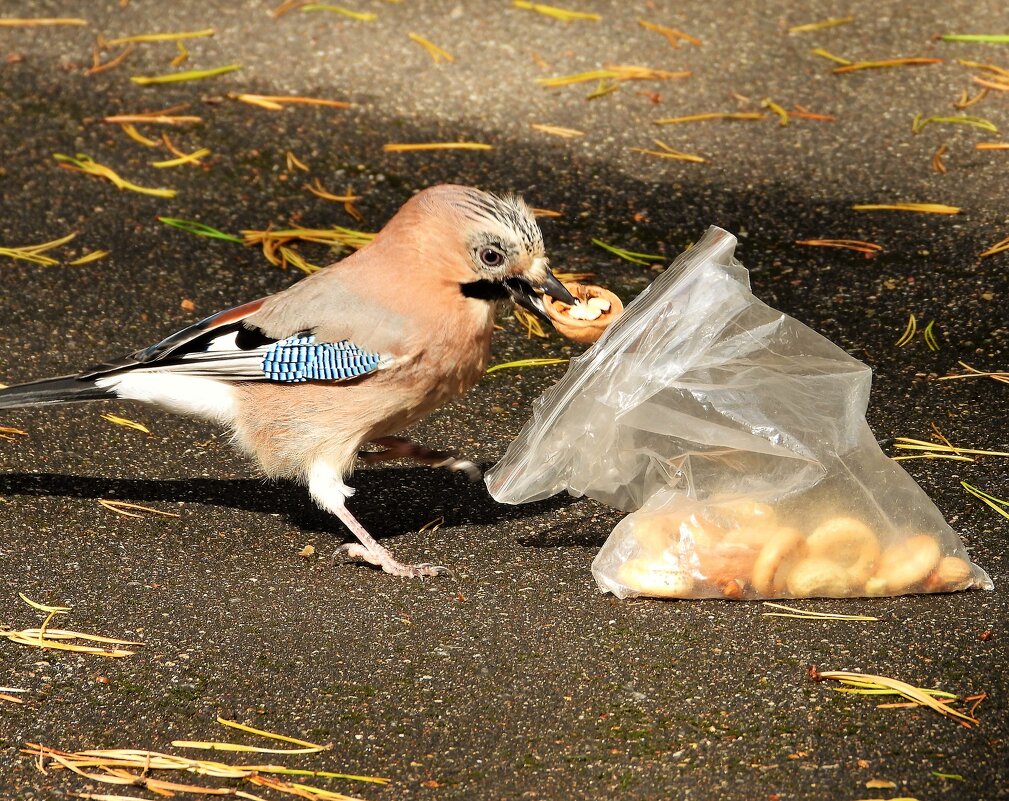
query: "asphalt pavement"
515, 677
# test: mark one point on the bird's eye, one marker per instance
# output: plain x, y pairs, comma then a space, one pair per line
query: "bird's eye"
491, 257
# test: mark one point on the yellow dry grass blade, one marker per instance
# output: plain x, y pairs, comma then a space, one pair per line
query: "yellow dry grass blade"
97, 66
216, 746
43, 607
712, 115
666, 152
320, 774
319, 191
360, 16
89, 166
108, 797
923, 697
998, 84
995, 503
9, 433
918, 123
819, 51
413, 147
978, 65
66, 634
973, 372
556, 130
121, 507
937, 163
629, 255
921, 208
833, 22
436, 53
156, 119
90, 257
35, 22
932, 456
290, 256
869, 248
187, 158
884, 64
807, 614
614, 72
294, 163
909, 444
275, 243
183, 55
561, 14
999, 247
525, 363
163, 37
673, 36
909, 332
234, 724
277, 102
55, 639
531, 323
929, 336
188, 75
432, 525
776, 109
126, 423
36, 253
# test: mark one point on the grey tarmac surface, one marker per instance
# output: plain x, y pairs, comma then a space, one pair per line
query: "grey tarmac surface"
515, 678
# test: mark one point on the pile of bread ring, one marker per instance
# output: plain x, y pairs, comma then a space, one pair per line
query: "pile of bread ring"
744, 550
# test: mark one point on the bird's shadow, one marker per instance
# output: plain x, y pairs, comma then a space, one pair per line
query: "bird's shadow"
388, 501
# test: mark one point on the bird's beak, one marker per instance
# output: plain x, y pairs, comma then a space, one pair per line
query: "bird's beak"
522, 288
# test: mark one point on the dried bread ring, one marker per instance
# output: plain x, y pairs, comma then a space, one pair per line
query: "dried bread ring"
908, 563
816, 577
755, 535
655, 533
776, 560
849, 542
952, 573
655, 579
746, 511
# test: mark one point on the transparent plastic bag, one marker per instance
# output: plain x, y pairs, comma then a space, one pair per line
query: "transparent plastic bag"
737, 438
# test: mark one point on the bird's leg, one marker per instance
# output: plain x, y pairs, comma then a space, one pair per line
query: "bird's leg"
399, 448
328, 490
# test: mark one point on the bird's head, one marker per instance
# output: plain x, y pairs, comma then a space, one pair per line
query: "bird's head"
503, 247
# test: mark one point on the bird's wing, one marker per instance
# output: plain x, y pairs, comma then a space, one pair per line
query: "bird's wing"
226, 346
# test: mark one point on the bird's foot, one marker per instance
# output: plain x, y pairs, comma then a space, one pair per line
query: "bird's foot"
385, 560
455, 465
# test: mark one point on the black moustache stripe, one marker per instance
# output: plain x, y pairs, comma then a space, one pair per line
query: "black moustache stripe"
484, 290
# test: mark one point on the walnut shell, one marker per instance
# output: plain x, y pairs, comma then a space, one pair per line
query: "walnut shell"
586, 331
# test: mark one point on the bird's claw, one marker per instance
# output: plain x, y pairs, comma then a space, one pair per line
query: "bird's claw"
383, 559
456, 465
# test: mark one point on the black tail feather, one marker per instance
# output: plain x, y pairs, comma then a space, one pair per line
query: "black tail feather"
65, 389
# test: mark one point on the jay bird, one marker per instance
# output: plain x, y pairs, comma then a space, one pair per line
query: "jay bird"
349, 355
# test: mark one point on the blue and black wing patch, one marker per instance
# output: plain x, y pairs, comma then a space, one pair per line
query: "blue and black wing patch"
301, 358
